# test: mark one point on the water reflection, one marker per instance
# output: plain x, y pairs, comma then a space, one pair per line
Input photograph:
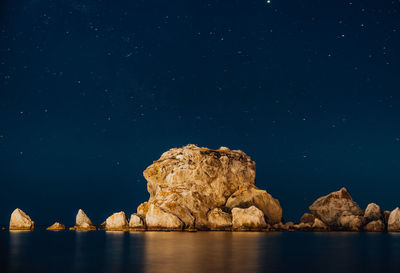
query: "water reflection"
114, 251
18, 239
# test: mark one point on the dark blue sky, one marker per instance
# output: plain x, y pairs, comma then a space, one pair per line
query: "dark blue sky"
91, 92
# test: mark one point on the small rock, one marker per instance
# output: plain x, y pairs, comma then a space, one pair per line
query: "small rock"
158, 219
318, 225
394, 221
56, 226
373, 212
136, 222
303, 227
117, 221
219, 220
386, 215
307, 218
248, 219
375, 226
82, 222
20, 221
350, 222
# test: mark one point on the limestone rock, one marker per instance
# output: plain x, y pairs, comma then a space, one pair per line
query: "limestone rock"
373, 212
20, 221
56, 226
117, 221
307, 218
251, 218
219, 220
351, 222
157, 218
83, 222
318, 225
136, 222
190, 181
375, 226
330, 207
303, 226
251, 196
394, 221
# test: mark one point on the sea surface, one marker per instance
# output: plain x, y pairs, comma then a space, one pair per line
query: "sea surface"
99, 251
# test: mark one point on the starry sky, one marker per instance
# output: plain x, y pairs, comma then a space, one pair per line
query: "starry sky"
92, 91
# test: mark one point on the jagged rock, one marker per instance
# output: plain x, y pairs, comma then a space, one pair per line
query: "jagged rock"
158, 219
20, 221
82, 222
190, 181
117, 221
251, 196
330, 207
351, 222
248, 219
375, 226
307, 218
373, 212
318, 225
303, 226
219, 220
136, 222
56, 226
394, 221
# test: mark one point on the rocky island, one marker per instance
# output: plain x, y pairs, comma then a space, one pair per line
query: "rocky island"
198, 189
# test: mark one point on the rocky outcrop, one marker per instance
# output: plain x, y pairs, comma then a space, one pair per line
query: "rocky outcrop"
56, 226
186, 183
373, 212
330, 207
248, 219
219, 220
20, 221
158, 219
318, 225
82, 222
251, 196
307, 218
136, 222
117, 222
394, 221
375, 226
348, 221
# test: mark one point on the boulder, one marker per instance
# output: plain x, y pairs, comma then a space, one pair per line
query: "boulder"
82, 222
248, 219
318, 225
375, 226
20, 221
56, 226
330, 207
158, 219
219, 220
289, 226
394, 221
303, 227
348, 221
373, 212
251, 196
189, 182
307, 218
117, 221
136, 222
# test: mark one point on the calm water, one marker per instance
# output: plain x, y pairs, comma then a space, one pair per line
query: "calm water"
45, 251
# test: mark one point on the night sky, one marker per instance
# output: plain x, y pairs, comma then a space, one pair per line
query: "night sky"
91, 92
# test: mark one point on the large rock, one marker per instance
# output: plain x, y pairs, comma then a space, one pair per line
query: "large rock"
219, 220
373, 212
330, 207
394, 221
318, 225
251, 196
136, 222
248, 219
82, 222
20, 221
117, 221
307, 218
56, 226
375, 226
190, 181
158, 219
348, 221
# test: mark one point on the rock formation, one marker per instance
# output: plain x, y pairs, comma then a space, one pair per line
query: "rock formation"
248, 219
318, 225
330, 207
56, 226
20, 221
219, 220
116, 222
83, 222
375, 226
187, 184
394, 221
136, 222
373, 212
307, 218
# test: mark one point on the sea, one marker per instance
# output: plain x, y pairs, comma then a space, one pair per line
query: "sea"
171, 252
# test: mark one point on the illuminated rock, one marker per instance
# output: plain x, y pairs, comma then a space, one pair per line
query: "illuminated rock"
318, 225
117, 221
158, 219
375, 226
394, 221
348, 221
20, 221
136, 222
373, 212
251, 218
219, 220
83, 222
307, 218
56, 226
